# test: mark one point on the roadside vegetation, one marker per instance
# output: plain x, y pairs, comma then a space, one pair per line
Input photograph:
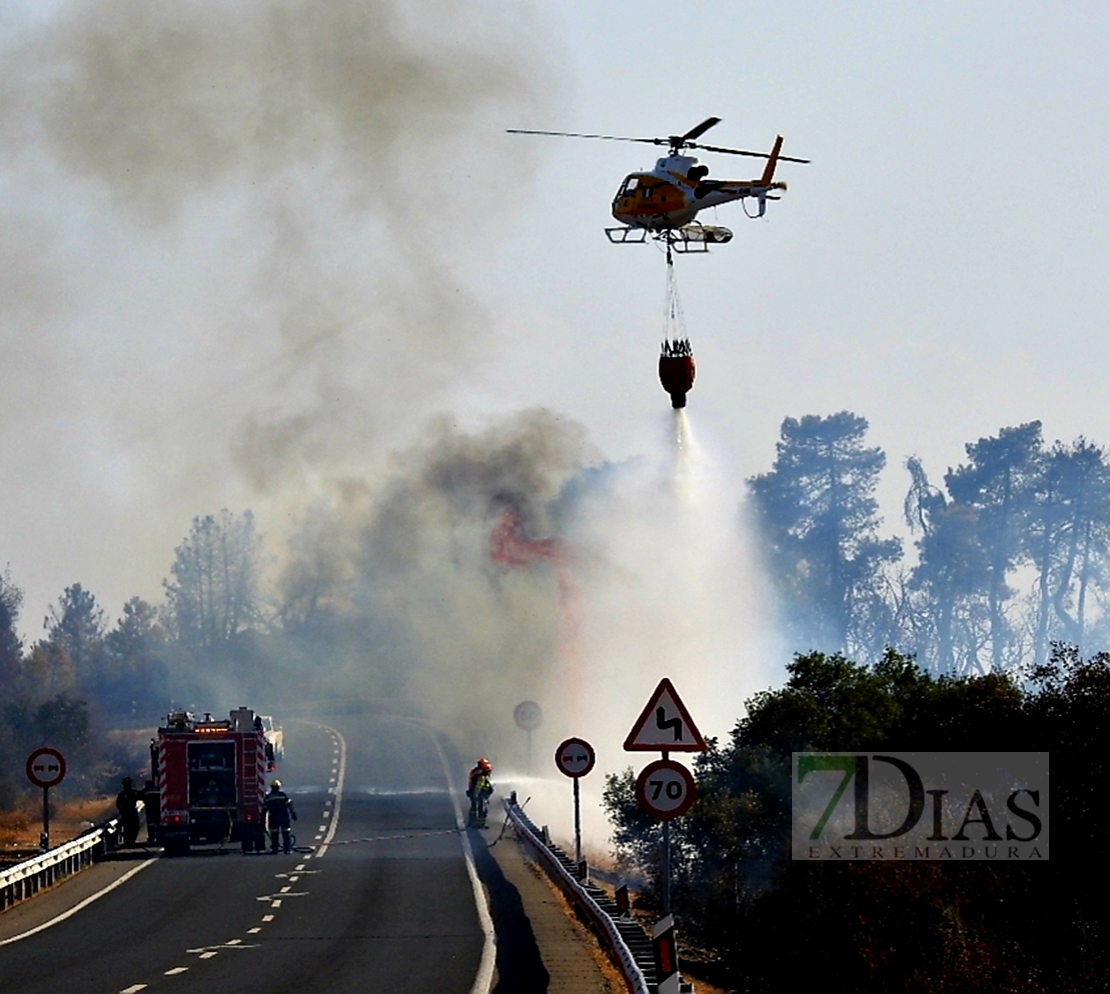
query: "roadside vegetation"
889, 927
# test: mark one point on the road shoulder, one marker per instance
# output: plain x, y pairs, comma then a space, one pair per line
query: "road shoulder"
62, 897
549, 938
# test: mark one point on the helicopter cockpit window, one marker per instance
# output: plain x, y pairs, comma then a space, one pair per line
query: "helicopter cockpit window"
629, 186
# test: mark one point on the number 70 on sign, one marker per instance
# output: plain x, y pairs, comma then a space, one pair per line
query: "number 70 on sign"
665, 789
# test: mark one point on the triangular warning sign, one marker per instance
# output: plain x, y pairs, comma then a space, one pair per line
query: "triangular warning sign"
665, 725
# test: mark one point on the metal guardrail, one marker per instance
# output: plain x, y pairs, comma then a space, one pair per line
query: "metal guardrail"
619, 935
26, 879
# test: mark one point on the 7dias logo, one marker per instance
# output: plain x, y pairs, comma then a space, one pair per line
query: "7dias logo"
907, 806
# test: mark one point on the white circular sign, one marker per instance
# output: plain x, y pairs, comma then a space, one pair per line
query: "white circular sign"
528, 715
665, 789
575, 757
46, 767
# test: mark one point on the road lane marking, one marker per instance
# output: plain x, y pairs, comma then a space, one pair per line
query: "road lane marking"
300, 866
251, 931
483, 980
84, 904
276, 903
233, 942
339, 773
209, 954
294, 879
175, 971
267, 918
133, 989
285, 890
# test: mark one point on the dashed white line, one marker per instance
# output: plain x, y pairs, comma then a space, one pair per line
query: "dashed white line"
175, 971
133, 989
233, 942
209, 954
251, 931
267, 918
285, 890
294, 879
275, 903
299, 866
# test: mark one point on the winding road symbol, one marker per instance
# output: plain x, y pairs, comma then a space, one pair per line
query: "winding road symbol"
665, 725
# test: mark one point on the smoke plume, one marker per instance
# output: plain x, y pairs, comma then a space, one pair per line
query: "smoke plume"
226, 256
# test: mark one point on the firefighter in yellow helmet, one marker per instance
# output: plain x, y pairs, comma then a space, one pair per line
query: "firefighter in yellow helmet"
279, 809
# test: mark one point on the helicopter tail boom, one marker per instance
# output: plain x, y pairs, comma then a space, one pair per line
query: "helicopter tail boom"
772, 161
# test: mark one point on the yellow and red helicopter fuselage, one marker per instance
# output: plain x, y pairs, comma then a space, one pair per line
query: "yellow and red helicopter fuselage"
671, 195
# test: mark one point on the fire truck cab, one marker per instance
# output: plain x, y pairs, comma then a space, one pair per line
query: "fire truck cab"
211, 778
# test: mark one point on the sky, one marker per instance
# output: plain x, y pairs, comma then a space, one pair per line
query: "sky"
252, 248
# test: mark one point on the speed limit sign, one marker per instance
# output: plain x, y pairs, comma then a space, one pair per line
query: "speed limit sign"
665, 789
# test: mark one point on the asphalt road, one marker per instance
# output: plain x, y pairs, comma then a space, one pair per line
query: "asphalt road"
387, 907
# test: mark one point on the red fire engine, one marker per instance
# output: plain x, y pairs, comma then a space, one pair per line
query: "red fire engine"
211, 779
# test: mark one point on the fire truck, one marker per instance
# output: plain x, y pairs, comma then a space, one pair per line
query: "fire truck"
211, 777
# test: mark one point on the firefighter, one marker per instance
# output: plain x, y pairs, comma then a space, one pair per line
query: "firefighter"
152, 809
127, 804
279, 809
478, 789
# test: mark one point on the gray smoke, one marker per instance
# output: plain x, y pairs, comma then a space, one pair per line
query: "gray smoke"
407, 572
227, 244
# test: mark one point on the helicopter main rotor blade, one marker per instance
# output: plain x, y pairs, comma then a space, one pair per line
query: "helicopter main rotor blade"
701, 129
575, 134
737, 151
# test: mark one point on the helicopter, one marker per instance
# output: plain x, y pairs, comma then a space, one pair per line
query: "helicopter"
664, 203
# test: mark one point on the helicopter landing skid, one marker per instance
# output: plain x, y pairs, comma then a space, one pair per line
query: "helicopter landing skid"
627, 235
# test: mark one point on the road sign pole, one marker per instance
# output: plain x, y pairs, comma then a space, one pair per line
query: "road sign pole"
666, 868
666, 859
577, 825
44, 842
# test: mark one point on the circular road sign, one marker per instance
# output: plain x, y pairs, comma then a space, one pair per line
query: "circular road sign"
665, 789
46, 767
575, 757
528, 715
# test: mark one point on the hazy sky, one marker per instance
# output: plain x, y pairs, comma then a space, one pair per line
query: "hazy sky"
188, 322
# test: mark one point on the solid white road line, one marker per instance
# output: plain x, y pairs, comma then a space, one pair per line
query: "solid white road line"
484, 978
84, 904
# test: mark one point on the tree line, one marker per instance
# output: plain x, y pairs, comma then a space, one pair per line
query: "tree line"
85, 672
1011, 554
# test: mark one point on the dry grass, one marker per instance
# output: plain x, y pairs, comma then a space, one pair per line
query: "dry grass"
20, 829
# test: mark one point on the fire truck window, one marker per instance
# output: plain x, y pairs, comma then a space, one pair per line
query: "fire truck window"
212, 774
